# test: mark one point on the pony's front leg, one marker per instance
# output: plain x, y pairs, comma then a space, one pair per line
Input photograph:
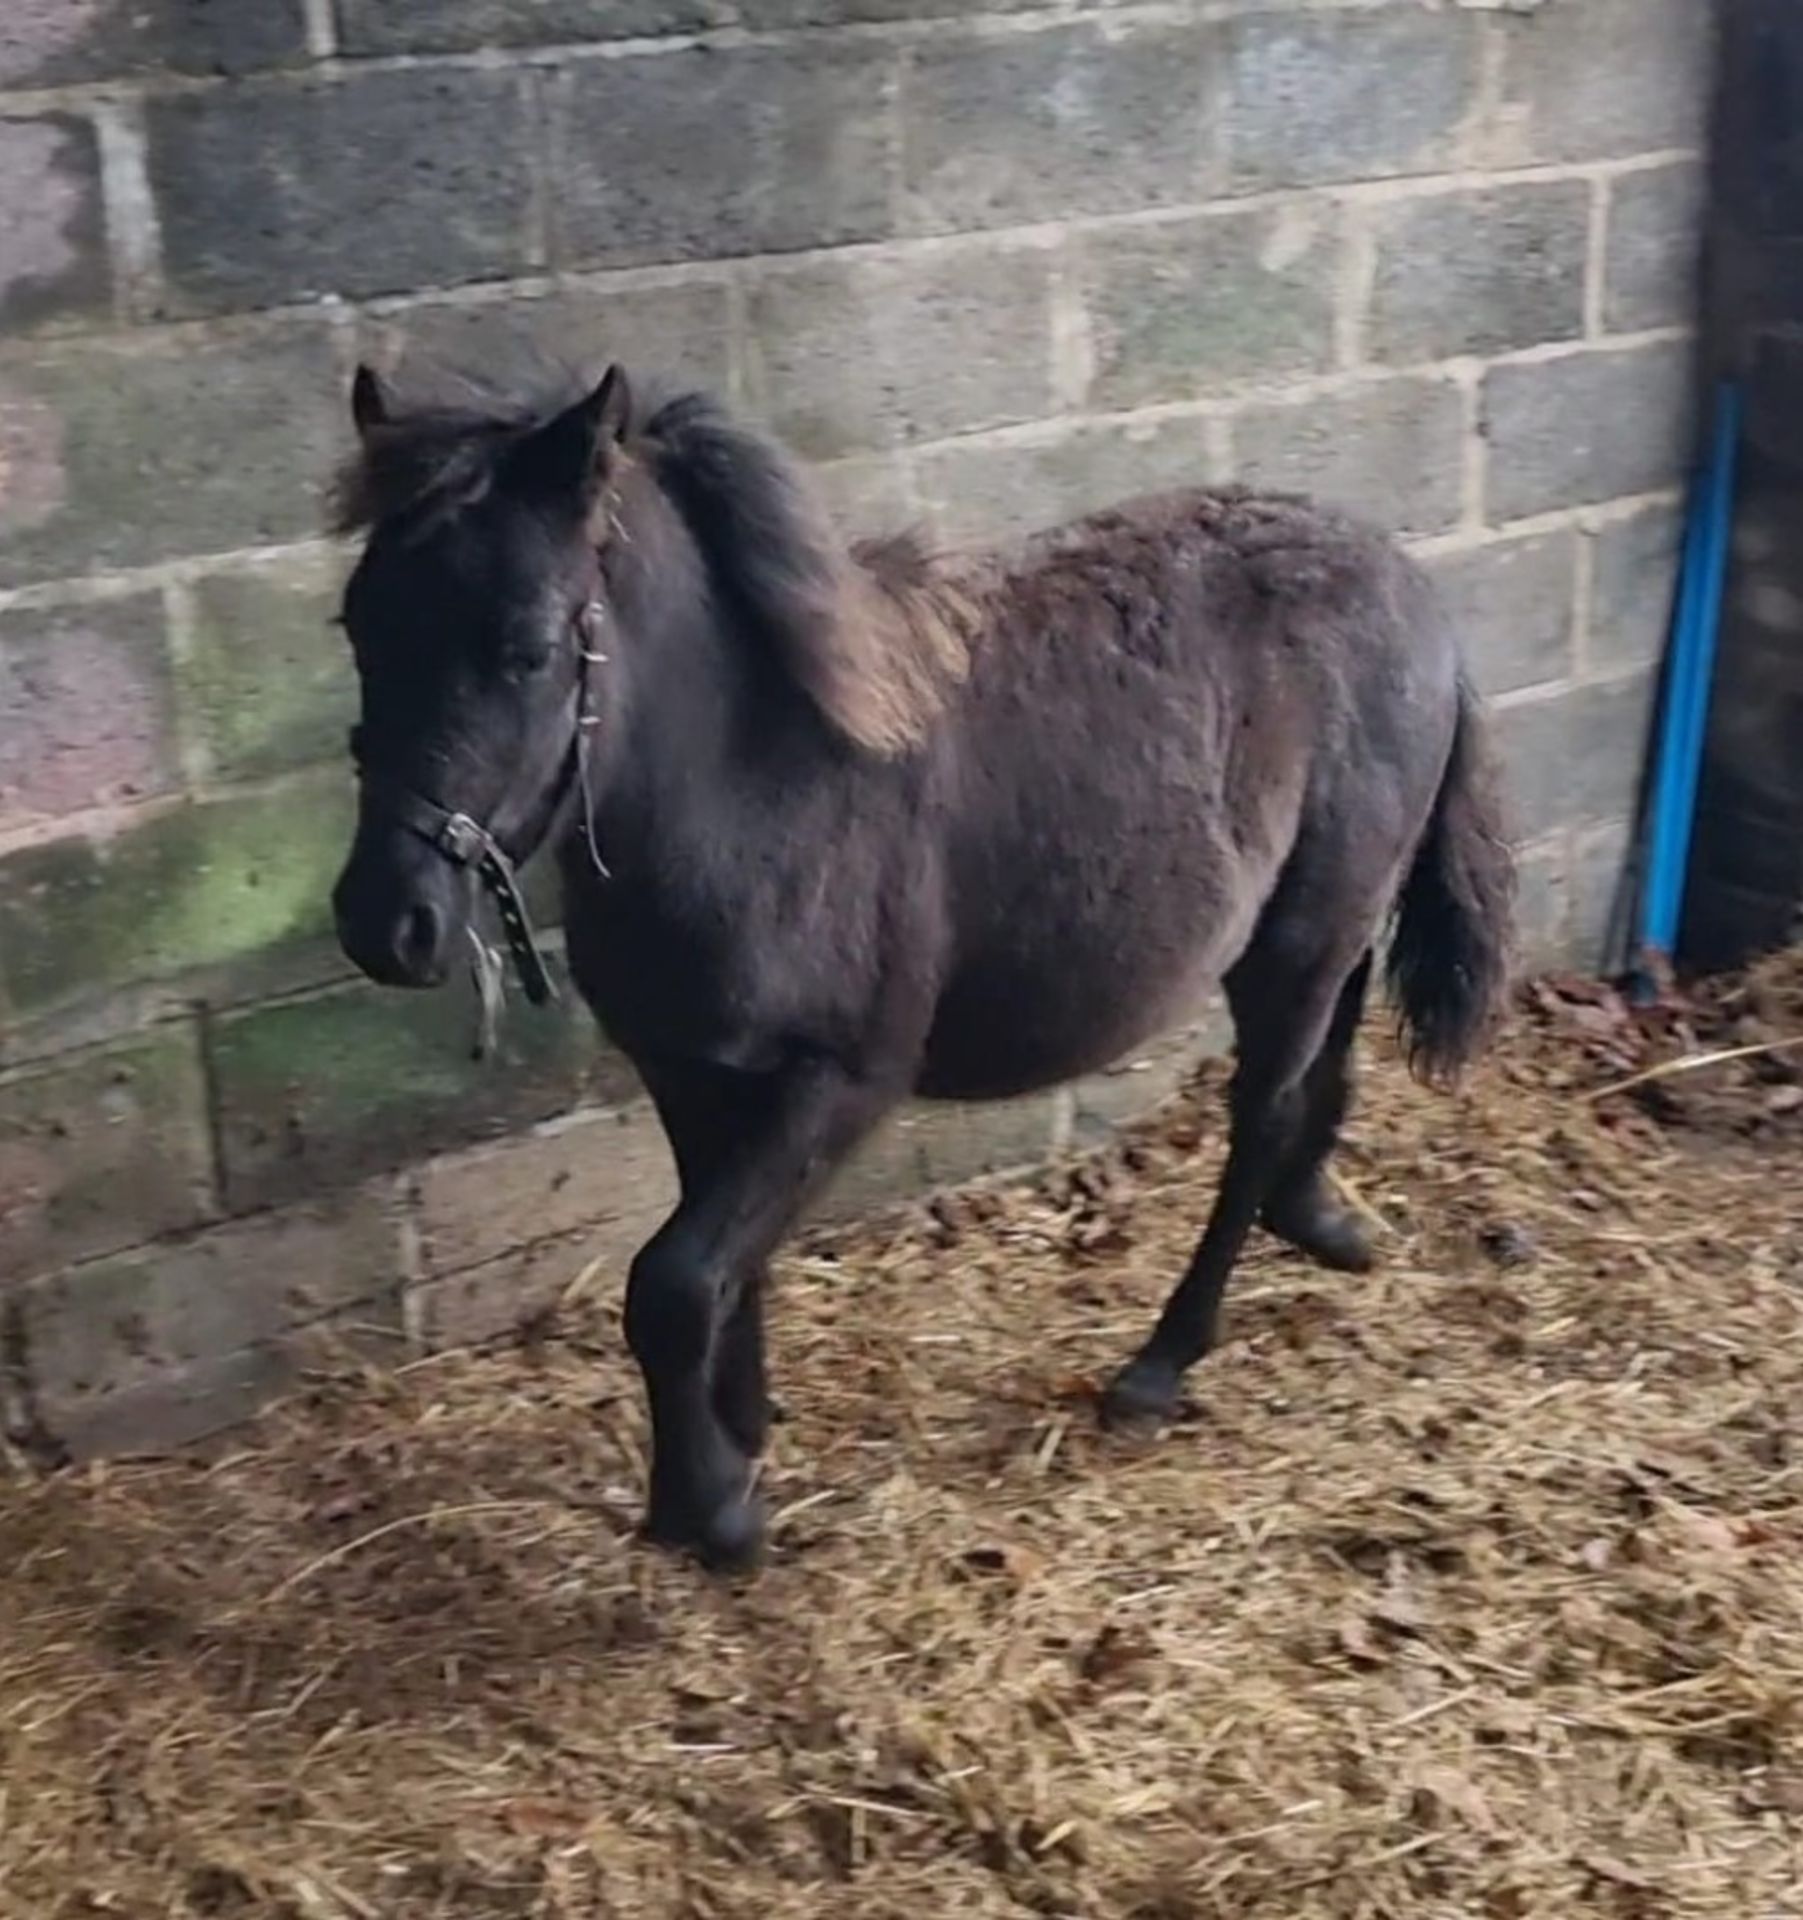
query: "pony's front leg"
738, 1200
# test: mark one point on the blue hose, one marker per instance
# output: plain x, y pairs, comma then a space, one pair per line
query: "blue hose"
1695, 630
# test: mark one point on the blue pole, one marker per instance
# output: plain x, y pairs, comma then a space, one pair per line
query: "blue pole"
1709, 618
1696, 629
1679, 693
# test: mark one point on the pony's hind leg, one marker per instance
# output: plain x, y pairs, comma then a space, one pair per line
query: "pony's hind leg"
1302, 1208
1284, 1010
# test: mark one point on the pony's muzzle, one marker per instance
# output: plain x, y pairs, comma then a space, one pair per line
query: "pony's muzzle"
401, 920
418, 942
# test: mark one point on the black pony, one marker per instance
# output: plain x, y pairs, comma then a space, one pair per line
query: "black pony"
839, 826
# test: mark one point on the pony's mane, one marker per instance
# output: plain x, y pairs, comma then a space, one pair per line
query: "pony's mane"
875, 634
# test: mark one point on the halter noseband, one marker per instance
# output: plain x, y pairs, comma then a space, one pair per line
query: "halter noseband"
466, 842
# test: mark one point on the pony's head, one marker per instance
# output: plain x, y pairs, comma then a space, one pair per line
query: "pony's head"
476, 614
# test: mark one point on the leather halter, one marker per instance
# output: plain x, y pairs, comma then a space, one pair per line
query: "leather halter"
464, 841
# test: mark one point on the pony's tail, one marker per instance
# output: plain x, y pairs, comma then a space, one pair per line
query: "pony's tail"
1448, 964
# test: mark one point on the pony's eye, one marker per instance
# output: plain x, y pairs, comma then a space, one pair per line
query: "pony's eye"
521, 663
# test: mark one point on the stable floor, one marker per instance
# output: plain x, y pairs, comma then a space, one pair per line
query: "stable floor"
1473, 1589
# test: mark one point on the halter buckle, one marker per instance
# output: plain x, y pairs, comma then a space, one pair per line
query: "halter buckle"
460, 839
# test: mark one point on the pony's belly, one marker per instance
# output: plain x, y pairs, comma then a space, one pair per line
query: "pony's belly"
998, 1036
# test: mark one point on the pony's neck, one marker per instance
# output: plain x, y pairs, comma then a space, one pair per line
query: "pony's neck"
692, 700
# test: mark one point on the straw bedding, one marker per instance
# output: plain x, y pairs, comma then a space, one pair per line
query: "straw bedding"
1473, 1589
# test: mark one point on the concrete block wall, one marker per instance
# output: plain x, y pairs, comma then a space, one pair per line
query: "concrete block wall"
986, 267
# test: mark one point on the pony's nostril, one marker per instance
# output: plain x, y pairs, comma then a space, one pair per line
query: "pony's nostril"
418, 937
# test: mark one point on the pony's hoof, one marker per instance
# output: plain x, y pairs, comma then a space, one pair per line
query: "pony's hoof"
1143, 1394
727, 1538
1325, 1231
731, 1540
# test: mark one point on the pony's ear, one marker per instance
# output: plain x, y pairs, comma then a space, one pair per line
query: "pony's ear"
612, 402
370, 407
569, 454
